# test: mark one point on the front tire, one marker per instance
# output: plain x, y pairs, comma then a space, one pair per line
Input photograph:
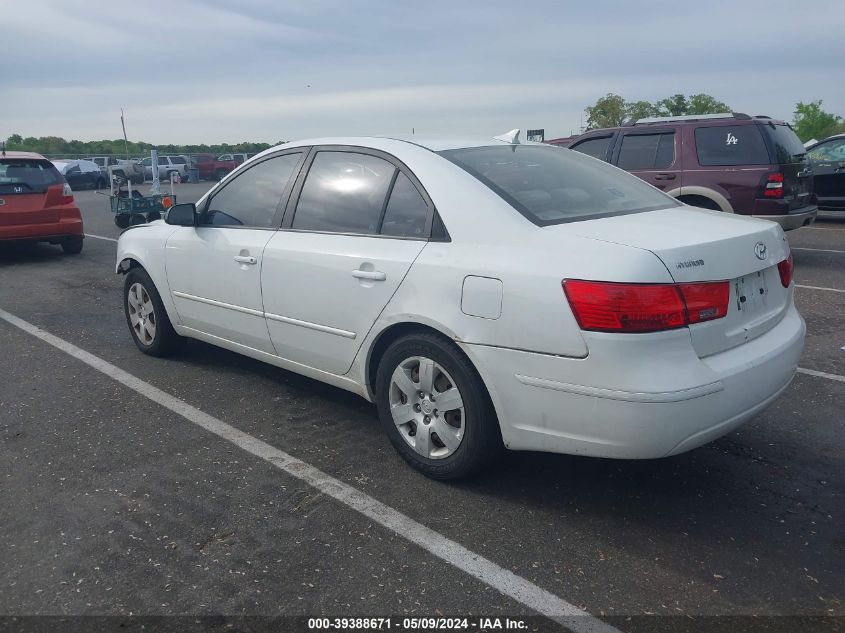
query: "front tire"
146, 317
435, 409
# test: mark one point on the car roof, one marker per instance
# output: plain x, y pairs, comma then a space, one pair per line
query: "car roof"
31, 155
434, 144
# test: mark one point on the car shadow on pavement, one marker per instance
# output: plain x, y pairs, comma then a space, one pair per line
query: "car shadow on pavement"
12, 253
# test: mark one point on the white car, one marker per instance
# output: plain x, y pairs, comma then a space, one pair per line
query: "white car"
481, 293
166, 165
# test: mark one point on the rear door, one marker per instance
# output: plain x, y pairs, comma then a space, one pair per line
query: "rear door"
214, 269
828, 161
354, 226
30, 192
651, 154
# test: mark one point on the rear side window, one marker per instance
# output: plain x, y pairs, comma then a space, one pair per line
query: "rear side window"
406, 212
726, 145
647, 151
785, 143
177, 160
344, 193
550, 186
27, 176
595, 147
252, 198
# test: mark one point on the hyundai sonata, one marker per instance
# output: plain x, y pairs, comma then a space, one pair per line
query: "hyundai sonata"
482, 293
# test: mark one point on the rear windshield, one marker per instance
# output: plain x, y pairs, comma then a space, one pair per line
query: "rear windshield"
785, 143
552, 185
27, 175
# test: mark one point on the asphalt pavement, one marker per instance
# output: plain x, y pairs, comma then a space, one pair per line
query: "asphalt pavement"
113, 504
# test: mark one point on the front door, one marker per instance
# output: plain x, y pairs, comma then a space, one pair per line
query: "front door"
358, 225
214, 269
828, 161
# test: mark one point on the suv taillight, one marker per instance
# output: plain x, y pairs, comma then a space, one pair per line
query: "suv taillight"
786, 268
602, 306
773, 185
67, 194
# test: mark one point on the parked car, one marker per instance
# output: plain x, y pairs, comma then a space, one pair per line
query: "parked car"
727, 162
126, 169
166, 165
36, 204
237, 159
81, 174
828, 159
211, 167
482, 294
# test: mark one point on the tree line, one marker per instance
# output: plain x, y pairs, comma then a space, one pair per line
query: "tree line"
809, 121
57, 146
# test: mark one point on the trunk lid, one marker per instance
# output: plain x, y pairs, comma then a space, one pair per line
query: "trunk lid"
30, 190
697, 245
790, 158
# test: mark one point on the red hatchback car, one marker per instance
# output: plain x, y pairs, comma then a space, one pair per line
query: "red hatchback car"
36, 204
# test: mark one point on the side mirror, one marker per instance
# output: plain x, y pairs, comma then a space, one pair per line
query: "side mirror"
182, 215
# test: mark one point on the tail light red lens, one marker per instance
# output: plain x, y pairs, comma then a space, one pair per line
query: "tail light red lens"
773, 185
618, 307
786, 268
67, 194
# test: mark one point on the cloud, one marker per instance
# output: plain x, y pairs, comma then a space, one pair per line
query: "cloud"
211, 71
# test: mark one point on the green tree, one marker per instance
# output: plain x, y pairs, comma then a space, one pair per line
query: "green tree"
608, 111
705, 104
14, 141
635, 110
811, 122
676, 105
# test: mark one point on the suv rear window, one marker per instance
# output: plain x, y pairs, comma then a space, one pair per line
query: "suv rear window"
552, 186
727, 145
787, 148
27, 175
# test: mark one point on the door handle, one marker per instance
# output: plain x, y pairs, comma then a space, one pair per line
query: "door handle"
245, 259
665, 177
372, 275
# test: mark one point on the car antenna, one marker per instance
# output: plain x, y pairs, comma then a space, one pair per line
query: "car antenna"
511, 137
3, 148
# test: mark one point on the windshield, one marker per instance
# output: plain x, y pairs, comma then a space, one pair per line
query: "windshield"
552, 185
27, 176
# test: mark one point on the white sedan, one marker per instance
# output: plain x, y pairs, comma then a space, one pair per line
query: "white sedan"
482, 293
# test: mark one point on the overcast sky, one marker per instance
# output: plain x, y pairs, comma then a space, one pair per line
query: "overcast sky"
192, 71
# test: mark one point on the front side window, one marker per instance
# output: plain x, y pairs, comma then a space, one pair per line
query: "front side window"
647, 151
726, 145
595, 147
550, 186
829, 152
252, 198
147, 162
224, 157
344, 192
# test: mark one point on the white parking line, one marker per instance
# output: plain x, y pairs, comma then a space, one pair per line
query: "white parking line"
819, 288
488, 572
101, 237
821, 374
817, 250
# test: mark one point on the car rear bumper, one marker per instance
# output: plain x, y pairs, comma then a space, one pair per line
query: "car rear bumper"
70, 227
627, 401
804, 216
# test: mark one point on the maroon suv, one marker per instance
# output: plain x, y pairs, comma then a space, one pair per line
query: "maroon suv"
727, 162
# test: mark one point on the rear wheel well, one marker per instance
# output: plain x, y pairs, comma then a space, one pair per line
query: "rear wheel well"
702, 202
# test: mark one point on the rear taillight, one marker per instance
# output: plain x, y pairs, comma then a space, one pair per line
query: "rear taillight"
786, 268
603, 306
67, 194
773, 185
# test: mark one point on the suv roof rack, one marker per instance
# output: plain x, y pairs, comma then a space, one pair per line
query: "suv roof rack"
689, 117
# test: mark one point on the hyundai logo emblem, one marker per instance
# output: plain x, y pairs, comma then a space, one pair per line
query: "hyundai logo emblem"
760, 250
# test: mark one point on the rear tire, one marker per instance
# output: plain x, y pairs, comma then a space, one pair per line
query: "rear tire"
146, 317
220, 174
101, 184
471, 435
72, 245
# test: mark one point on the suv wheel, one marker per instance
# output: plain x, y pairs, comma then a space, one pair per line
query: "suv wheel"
145, 315
221, 174
435, 409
